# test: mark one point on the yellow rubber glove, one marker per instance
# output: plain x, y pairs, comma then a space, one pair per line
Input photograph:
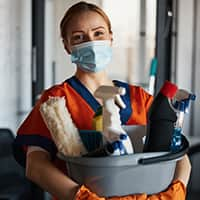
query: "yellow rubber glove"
176, 191
85, 194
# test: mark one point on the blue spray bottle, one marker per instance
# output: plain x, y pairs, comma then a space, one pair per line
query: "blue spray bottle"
181, 107
178, 128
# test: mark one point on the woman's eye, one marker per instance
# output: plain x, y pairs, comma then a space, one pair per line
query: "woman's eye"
77, 38
99, 33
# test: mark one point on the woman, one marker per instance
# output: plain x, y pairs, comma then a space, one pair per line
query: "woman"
84, 28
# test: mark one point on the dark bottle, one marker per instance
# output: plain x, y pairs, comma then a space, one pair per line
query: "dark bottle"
161, 119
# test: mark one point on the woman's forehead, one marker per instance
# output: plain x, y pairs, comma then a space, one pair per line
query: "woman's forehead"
86, 19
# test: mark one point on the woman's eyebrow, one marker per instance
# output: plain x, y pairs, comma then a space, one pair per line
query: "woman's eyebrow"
93, 29
99, 27
77, 31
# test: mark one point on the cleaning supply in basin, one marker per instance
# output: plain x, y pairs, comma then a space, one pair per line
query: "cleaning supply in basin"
161, 119
165, 119
117, 142
62, 129
181, 106
176, 136
97, 122
117, 147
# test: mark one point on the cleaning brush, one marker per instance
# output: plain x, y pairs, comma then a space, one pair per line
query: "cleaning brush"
63, 131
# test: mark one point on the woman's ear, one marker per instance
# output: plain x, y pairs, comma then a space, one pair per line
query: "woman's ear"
65, 43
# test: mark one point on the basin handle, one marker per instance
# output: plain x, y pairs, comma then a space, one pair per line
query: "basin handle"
169, 156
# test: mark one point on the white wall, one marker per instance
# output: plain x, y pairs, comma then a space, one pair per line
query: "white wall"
14, 62
184, 51
49, 42
196, 117
184, 44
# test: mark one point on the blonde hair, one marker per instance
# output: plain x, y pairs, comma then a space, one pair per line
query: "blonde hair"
82, 6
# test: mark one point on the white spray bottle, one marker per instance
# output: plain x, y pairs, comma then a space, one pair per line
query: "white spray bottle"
112, 130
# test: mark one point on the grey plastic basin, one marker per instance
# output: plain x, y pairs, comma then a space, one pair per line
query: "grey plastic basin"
122, 175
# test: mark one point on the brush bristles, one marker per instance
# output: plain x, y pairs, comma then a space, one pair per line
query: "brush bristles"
63, 131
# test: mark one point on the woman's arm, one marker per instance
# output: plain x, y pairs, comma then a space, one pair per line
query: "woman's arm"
183, 169
41, 170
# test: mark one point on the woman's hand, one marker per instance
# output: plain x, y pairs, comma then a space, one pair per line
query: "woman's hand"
183, 169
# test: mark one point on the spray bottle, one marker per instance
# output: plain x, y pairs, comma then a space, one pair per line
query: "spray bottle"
117, 140
181, 106
165, 119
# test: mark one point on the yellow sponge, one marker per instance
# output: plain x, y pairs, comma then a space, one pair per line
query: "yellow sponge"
97, 122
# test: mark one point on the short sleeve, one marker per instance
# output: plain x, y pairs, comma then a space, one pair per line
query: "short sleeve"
140, 104
34, 132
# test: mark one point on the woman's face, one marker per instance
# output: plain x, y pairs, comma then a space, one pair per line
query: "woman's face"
84, 27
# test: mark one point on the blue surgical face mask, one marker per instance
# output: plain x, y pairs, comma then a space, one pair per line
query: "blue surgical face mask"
92, 56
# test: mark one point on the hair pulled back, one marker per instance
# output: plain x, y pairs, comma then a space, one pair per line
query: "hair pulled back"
77, 8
